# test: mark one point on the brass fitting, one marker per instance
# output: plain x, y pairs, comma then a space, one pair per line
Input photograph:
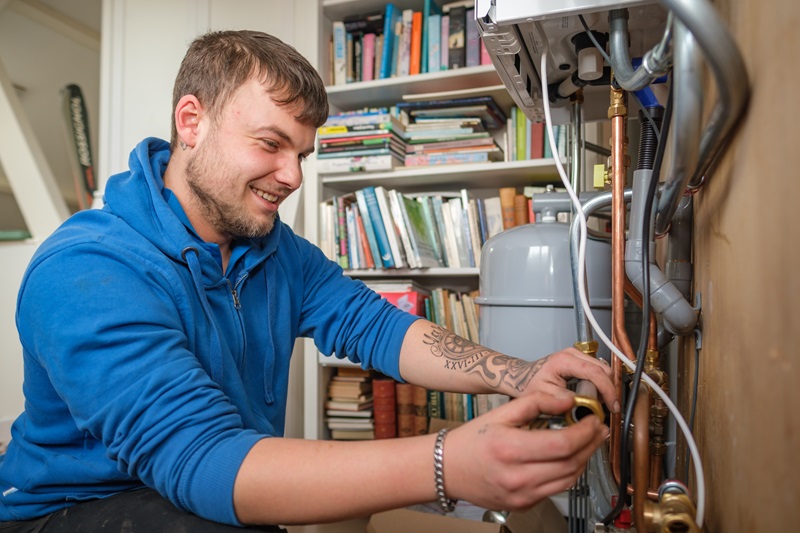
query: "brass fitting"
587, 347
618, 105
673, 512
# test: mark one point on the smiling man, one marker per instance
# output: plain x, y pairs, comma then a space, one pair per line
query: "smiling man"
157, 334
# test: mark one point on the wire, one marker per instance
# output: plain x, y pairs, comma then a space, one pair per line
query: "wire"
691, 444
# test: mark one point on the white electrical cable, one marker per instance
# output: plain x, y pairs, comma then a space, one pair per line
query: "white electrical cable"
692, 445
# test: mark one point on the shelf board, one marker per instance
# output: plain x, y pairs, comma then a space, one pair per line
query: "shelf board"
389, 91
475, 175
413, 273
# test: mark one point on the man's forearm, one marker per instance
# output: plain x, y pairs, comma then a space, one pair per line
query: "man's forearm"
439, 359
292, 481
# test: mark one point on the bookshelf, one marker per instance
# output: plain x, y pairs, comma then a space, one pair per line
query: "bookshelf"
482, 179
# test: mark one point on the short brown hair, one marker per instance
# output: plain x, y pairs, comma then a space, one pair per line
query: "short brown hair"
218, 63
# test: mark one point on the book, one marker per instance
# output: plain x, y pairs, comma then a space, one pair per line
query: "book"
369, 230
473, 44
456, 40
391, 231
431, 16
349, 405
339, 54
405, 409
485, 107
352, 434
415, 53
453, 158
368, 57
404, 46
376, 218
420, 402
494, 216
390, 18
444, 38
360, 163
434, 43
385, 408
330, 130
395, 206
507, 195
520, 210
422, 245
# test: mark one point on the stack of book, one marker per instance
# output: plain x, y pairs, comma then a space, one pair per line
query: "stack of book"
348, 410
364, 140
452, 131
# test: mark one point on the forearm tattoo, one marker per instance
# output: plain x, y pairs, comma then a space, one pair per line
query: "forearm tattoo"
494, 368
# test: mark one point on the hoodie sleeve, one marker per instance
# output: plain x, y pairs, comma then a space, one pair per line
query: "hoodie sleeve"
104, 324
348, 319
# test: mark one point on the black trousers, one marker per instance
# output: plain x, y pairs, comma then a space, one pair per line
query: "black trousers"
139, 511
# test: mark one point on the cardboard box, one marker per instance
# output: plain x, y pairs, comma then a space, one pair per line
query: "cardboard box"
542, 518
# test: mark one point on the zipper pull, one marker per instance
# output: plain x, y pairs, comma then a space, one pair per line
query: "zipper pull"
235, 295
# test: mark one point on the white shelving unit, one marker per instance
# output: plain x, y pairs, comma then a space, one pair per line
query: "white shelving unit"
483, 179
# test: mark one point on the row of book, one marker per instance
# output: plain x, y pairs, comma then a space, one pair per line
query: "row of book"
379, 228
525, 139
429, 132
404, 42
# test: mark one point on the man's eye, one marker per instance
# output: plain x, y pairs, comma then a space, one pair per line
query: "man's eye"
271, 144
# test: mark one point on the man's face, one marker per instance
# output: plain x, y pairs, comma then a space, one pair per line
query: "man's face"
246, 163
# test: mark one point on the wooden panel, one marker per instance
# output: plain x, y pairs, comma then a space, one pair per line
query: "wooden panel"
746, 264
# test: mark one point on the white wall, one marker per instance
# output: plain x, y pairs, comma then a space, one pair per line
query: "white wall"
14, 257
143, 44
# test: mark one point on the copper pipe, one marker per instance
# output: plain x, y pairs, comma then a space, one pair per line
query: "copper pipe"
655, 473
641, 454
617, 112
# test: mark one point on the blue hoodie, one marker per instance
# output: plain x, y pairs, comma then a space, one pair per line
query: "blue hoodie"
146, 365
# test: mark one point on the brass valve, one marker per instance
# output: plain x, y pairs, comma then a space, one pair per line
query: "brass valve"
582, 407
673, 512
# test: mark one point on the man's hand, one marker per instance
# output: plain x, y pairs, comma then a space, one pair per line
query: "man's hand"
496, 462
551, 373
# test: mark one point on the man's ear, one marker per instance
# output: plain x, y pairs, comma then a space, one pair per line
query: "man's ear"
188, 113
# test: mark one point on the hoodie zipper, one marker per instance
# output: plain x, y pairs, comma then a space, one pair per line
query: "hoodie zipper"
236, 303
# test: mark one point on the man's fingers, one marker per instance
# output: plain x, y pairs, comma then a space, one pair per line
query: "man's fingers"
558, 444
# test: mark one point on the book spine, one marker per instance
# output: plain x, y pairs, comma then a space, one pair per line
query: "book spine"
445, 158
391, 230
405, 409
350, 153
444, 38
384, 408
388, 42
404, 59
369, 230
457, 54
395, 204
385, 252
420, 401
364, 247
507, 195
520, 210
415, 54
339, 53
473, 53
368, 59
434, 40
341, 235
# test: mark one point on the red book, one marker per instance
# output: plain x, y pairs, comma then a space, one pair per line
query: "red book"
537, 140
384, 408
416, 43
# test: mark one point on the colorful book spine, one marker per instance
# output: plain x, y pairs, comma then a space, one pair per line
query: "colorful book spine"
415, 46
473, 45
373, 208
369, 229
388, 41
368, 59
445, 158
339, 54
384, 408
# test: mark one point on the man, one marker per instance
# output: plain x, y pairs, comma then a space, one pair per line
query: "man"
157, 334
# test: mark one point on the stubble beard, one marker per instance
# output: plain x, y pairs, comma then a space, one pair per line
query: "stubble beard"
210, 183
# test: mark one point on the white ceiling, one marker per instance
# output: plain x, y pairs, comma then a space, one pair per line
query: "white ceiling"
45, 45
